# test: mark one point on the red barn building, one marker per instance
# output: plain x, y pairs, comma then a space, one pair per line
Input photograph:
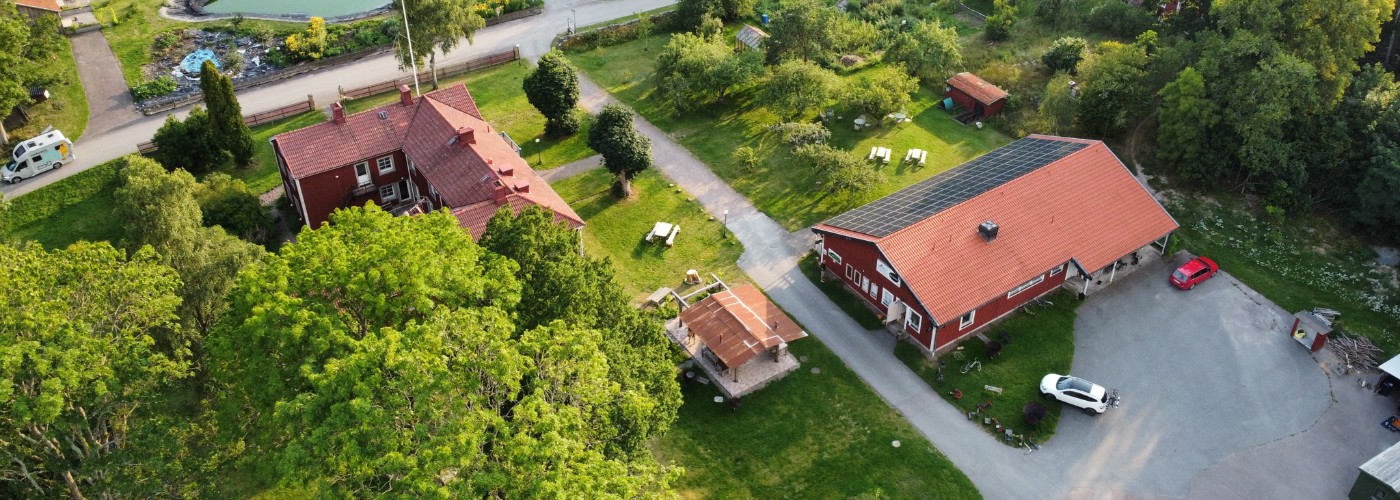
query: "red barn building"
950, 254
975, 95
421, 154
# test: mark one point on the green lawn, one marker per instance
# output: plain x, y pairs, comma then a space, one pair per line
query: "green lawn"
616, 227
852, 305
780, 187
824, 435
1040, 344
262, 174
93, 219
1299, 264
139, 22
500, 97
67, 107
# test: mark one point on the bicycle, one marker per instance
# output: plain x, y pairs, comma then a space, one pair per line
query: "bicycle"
940, 371
975, 364
958, 353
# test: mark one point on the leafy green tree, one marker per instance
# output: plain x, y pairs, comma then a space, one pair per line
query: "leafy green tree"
226, 125
644, 29
626, 152
1113, 88
435, 26
228, 203
188, 144
802, 29
552, 88
694, 70
1064, 54
1185, 122
79, 339
839, 170
1378, 194
1000, 22
926, 51
1057, 106
398, 368
26, 52
1118, 19
797, 87
690, 13
310, 44
882, 91
158, 209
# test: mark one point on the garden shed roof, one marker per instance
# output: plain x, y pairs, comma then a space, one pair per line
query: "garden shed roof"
977, 88
751, 36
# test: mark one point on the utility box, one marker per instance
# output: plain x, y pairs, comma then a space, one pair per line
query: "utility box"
1310, 330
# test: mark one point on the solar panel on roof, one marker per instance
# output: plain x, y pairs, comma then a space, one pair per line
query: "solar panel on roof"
903, 208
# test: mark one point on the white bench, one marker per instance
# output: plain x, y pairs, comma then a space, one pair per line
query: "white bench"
671, 240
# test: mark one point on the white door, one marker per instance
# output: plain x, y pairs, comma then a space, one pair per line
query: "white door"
362, 174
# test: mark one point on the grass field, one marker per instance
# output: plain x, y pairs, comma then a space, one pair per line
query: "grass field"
616, 227
1040, 344
502, 101
779, 186
139, 22
92, 219
67, 107
809, 435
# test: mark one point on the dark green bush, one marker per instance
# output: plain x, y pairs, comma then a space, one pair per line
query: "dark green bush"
1120, 20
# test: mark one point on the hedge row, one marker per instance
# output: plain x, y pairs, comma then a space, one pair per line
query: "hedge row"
44, 202
614, 34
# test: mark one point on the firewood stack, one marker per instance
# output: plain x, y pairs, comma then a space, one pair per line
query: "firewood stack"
1358, 354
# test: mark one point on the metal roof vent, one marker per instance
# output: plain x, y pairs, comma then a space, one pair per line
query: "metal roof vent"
988, 230
383, 115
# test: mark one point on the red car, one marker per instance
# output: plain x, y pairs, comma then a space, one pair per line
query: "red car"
1193, 272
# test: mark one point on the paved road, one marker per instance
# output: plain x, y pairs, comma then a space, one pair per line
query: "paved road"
109, 104
532, 34
1214, 385
571, 169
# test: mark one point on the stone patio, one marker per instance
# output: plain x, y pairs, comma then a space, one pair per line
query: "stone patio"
751, 376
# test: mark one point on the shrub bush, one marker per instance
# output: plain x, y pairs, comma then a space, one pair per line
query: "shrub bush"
798, 134
1119, 19
1065, 54
153, 88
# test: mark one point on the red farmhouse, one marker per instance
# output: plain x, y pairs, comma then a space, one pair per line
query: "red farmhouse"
420, 154
976, 95
955, 252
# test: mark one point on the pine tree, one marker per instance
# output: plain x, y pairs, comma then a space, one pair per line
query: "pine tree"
226, 123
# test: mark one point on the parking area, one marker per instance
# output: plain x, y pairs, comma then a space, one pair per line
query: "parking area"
1204, 375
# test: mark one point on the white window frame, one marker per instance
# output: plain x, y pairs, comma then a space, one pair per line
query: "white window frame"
1057, 270
393, 193
363, 179
382, 161
913, 319
1026, 286
864, 283
851, 274
835, 257
967, 319
874, 290
886, 298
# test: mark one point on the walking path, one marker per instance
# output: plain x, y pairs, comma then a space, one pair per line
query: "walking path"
109, 104
533, 35
571, 169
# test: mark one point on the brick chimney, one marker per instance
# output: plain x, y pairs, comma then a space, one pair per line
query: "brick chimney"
500, 193
522, 185
505, 169
338, 113
465, 136
405, 96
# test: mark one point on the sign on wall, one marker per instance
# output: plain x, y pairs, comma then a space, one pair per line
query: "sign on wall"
886, 271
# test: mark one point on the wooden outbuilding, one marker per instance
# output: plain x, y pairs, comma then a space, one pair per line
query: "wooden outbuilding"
974, 94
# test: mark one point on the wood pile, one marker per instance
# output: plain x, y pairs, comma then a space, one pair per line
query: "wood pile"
1358, 354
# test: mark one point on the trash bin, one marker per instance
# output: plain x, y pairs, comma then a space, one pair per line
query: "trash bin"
1385, 387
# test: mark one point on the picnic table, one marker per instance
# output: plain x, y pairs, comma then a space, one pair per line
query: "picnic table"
665, 231
918, 155
880, 152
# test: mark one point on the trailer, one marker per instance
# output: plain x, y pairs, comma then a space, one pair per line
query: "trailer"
47, 151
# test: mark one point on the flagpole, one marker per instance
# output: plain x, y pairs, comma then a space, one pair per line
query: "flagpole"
412, 58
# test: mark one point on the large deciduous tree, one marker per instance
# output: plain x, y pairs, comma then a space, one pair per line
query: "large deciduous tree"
626, 152
27, 48
1057, 106
1000, 22
882, 91
226, 126
552, 88
435, 26
926, 51
1186, 118
1064, 54
398, 368
802, 29
1114, 88
694, 70
79, 340
796, 87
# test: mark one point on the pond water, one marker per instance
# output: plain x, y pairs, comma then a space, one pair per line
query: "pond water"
193, 62
323, 8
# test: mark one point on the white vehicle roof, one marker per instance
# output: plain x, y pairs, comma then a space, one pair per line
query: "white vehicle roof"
41, 141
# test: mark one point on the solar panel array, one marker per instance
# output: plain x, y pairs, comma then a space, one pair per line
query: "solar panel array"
961, 183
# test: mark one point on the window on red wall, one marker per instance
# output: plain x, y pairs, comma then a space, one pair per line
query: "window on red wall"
913, 320
967, 319
1057, 270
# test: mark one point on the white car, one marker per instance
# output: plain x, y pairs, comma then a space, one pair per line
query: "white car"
1077, 392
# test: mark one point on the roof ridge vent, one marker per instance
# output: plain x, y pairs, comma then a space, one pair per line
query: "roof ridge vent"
988, 230
383, 115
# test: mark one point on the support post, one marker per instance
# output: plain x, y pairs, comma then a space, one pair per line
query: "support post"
1114, 272
310, 101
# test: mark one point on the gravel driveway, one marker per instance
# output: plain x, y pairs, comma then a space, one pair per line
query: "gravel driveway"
1203, 374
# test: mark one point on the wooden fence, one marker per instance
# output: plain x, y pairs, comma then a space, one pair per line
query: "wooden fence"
444, 71
253, 120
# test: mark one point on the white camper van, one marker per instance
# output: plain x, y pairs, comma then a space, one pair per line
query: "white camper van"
40, 154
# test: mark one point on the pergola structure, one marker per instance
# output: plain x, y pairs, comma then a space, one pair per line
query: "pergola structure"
728, 331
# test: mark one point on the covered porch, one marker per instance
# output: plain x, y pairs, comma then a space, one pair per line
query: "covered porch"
737, 337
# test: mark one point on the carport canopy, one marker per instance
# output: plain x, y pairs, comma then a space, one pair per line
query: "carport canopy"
1392, 367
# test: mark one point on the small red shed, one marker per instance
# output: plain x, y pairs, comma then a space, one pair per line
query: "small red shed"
975, 94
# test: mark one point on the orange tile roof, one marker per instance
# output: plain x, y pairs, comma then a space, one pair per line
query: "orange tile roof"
49, 5
739, 323
465, 177
977, 88
1085, 206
